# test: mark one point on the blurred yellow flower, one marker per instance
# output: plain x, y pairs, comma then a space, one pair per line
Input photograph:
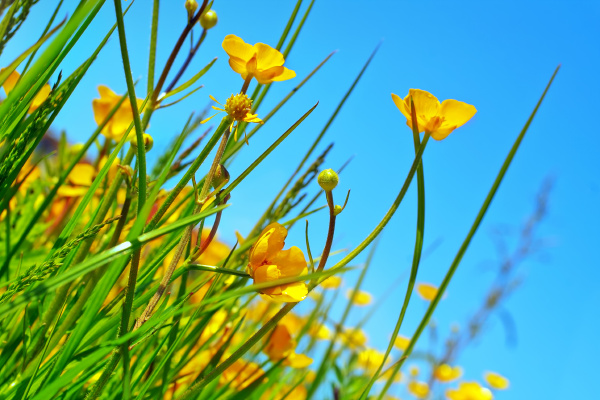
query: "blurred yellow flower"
446, 373
241, 374
496, 381
280, 345
268, 262
370, 359
319, 332
361, 297
41, 96
353, 337
116, 127
437, 119
78, 181
427, 291
469, 391
261, 61
418, 389
285, 392
333, 282
401, 342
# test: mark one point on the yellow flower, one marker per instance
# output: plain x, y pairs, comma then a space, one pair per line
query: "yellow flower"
437, 119
353, 337
361, 298
418, 389
427, 291
241, 374
79, 181
261, 61
333, 282
239, 109
116, 127
280, 345
370, 359
469, 391
446, 373
319, 332
285, 392
41, 96
496, 381
401, 342
269, 262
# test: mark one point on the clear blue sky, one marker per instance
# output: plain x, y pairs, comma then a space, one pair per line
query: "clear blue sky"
497, 56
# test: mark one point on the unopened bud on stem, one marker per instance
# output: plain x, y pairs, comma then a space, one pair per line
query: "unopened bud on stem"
328, 180
148, 142
208, 19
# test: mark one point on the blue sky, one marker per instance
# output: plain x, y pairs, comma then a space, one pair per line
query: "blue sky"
497, 56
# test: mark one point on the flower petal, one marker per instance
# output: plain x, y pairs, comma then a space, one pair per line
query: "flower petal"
236, 47
457, 113
11, 81
266, 274
269, 243
427, 105
290, 262
267, 57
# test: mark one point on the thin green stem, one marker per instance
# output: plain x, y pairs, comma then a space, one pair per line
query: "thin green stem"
139, 131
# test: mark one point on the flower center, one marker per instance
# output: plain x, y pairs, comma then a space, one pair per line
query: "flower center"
238, 106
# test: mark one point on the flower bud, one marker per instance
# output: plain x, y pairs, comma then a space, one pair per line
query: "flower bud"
148, 142
76, 148
221, 176
191, 6
208, 19
337, 209
328, 180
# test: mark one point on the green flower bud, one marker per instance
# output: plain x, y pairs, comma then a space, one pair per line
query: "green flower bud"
148, 142
208, 19
337, 209
76, 148
328, 180
221, 176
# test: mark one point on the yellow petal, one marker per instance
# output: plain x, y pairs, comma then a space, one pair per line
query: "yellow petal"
10, 82
40, 97
333, 282
298, 360
267, 57
269, 243
361, 298
446, 373
82, 174
401, 342
401, 104
426, 105
236, 47
107, 94
266, 273
293, 292
427, 291
285, 75
496, 381
290, 262
418, 389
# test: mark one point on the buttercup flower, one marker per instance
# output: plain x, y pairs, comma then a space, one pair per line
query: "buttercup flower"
361, 298
10, 83
281, 345
418, 389
496, 381
269, 262
401, 342
241, 374
469, 391
427, 291
261, 61
446, 373
239, 109
333, 282
437, 119
118, 124
370, 359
